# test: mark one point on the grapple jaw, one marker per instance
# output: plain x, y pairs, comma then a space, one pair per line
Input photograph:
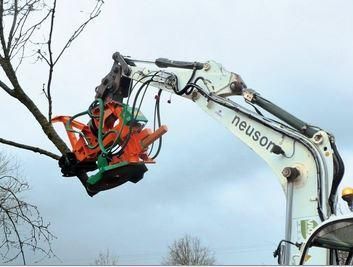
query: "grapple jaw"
70, 166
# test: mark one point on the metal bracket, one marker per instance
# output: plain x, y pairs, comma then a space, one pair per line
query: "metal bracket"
249, 94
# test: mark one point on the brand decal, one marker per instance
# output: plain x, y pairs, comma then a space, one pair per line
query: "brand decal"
307, 227
254, 134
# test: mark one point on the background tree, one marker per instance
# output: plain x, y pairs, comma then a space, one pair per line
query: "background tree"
106, 259
27, 32
189, 251
21, 225
342, 257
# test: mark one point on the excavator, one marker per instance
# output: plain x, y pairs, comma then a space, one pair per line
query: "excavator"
114, 147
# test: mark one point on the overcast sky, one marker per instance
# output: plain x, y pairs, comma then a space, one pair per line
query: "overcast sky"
206, 183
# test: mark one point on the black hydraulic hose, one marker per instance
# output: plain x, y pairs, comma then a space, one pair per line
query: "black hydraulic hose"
186, 87
119, 153
129, 93
337, 176
145, 84
154, 119
159, 124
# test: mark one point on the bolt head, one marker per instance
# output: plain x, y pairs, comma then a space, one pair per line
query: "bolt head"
194, 95
290, 172
318, 138
206, 67
286, 172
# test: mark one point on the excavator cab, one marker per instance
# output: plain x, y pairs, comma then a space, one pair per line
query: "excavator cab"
336, 235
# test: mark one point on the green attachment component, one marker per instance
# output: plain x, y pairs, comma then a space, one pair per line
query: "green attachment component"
137, 116
68, 128
103, 167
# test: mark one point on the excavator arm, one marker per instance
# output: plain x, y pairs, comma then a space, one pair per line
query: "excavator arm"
303, 157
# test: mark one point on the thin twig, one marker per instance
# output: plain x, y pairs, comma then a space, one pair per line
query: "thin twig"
18, 238
31, 148
14, 21
21, 58
43, 56
94, 13
23, 37
2, 36
44, 92
51, 63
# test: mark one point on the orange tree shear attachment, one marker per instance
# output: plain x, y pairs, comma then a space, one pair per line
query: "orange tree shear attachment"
114, 141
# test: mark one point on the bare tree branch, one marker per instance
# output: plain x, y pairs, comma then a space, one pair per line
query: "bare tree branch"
51, 62
6, 88
31, 148
20, 95
20, 36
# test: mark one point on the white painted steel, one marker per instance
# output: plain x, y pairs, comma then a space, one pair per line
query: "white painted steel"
260, 134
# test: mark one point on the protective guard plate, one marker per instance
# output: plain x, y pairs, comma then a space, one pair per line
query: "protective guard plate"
118, 176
